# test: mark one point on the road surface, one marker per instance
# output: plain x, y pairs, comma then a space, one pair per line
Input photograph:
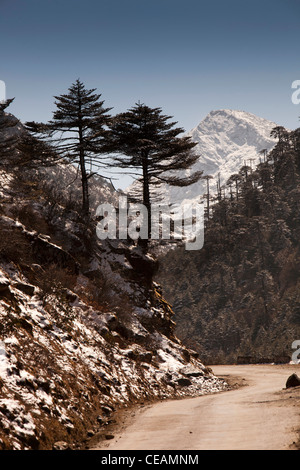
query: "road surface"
262, 415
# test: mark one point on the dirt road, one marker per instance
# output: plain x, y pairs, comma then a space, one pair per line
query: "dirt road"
262, 415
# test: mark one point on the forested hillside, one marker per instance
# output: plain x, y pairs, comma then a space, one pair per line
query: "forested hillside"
240, 294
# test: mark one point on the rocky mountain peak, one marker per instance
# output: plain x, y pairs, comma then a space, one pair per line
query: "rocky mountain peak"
227, 139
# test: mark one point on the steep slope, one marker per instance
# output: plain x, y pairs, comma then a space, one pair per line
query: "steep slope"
237, 299
83, 328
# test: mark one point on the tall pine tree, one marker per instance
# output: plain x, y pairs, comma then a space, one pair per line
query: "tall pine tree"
147, 144
77, 131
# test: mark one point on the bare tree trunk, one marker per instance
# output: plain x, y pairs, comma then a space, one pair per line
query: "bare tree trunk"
146, 198
84, 178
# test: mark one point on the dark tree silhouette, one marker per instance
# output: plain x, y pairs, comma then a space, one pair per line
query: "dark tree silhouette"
77, 132
147, 144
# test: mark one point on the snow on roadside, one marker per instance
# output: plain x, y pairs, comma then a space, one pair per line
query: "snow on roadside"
54, 368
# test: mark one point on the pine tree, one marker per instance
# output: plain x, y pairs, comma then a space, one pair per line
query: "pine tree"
33, 153
149, 147
282, 135
235, 180
77, 132
207, 195
8, 136
20, 150
245, 297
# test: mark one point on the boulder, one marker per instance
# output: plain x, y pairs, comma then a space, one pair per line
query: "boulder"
293, 381
138, 354
61, 445
191, 371
5, 291
184, 382
27, 289
4, 285
142, 263
107, 409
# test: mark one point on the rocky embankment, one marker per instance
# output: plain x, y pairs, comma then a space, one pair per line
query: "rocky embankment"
84, 332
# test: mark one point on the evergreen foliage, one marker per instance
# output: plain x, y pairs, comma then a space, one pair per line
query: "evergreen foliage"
8, 140
77, 132
148, 145
239, 295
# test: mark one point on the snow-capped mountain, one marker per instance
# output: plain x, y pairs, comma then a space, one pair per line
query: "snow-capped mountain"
227, 140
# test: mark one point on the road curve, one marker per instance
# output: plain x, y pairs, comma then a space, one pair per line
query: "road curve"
258, 416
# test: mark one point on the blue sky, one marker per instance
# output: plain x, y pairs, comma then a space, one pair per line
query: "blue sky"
187, 57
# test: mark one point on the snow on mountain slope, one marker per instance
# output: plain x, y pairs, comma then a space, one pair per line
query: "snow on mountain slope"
84, 329
227, 140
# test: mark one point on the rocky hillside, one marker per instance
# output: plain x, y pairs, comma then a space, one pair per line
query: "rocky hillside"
84, 331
